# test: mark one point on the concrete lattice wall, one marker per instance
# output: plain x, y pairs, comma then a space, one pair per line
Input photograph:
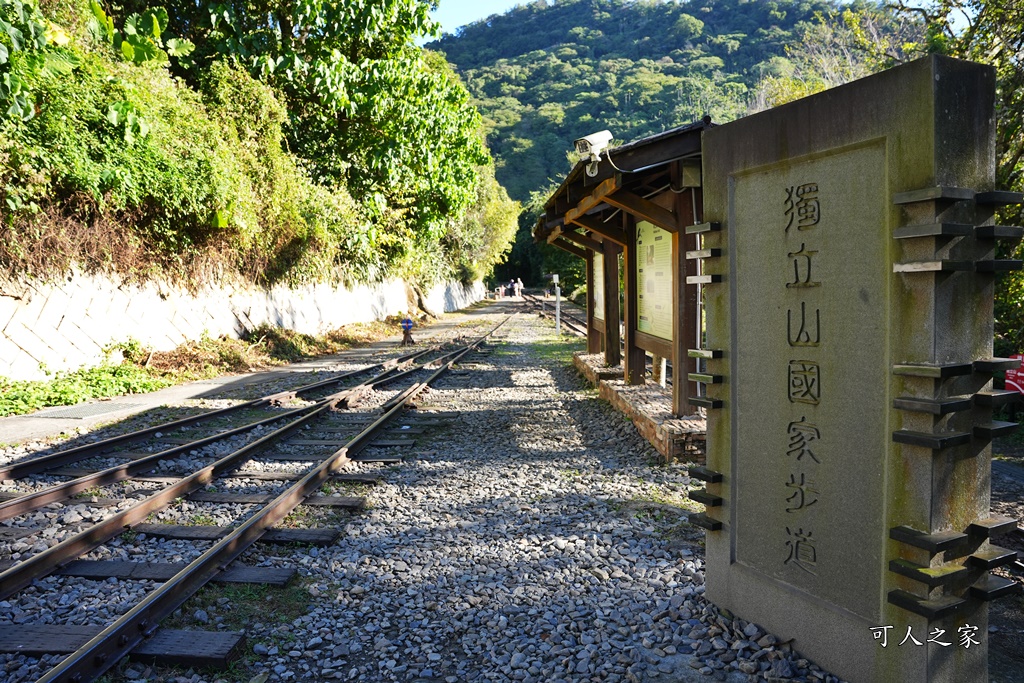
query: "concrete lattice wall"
66, 325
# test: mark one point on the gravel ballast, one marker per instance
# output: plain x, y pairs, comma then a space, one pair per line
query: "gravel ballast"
534, 537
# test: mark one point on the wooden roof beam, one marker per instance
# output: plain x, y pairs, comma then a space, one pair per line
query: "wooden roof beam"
583, 240
605, 188
605, 230
565, 245
643, 209
555, 232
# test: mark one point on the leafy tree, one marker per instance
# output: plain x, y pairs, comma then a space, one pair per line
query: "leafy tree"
27, 53
991, 32
635, 68
484, 235
837, 48
141, 39
107, 162
366, 106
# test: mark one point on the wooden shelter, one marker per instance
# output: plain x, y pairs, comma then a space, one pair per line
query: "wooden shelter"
644, 205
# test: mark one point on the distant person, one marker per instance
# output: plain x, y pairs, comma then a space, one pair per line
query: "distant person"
519, 287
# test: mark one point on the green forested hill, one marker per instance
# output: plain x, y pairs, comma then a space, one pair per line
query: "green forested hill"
546, 73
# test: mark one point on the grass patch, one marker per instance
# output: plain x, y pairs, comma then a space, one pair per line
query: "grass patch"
346, 488
242, 604
311, 517
94, 492
559, 350
660, 505
144, 370
68, 388
202, 519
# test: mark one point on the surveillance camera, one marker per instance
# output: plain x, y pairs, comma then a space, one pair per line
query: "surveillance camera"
593, 144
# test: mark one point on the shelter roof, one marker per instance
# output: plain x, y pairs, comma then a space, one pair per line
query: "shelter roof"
630, 164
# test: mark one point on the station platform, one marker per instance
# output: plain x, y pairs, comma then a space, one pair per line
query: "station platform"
649, 407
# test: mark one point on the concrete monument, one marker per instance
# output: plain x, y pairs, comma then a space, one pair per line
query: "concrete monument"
850, 337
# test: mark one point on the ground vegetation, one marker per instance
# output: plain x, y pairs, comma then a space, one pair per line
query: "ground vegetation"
132, 368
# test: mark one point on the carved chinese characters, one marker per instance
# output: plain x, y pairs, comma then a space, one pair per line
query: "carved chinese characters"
809, 330
803, 209
841, 495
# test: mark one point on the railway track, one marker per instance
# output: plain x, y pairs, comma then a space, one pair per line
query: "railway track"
287, 447
573, 323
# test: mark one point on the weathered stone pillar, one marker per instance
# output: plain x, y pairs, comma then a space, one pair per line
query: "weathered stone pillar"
849, 460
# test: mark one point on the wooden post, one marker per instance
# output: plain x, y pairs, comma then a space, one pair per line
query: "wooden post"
658, 371
593, 339
684, 298
612, 338
636, 358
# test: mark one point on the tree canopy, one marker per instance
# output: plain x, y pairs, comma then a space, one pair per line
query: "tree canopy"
544, 73
345, 147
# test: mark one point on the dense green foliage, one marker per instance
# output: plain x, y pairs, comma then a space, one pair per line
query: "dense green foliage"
857, 42
307, 141
544, 74
69, 388
366, 106
836, 48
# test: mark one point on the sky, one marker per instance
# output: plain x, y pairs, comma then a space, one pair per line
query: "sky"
455, 13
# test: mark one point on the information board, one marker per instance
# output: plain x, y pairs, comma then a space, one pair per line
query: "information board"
654, 280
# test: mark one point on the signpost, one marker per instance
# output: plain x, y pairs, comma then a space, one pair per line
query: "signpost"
1015, 377
558, 305
849, 306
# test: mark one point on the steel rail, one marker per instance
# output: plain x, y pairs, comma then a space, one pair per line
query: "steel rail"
106, 648
111, 475
570, 323
566, 315
386, 366
39, 565
35, 465
22, 574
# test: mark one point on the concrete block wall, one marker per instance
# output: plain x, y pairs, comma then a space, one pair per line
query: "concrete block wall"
648, 408
65, 325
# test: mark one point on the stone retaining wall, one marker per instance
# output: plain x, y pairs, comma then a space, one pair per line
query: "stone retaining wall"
649, 407
591, 366
66, 325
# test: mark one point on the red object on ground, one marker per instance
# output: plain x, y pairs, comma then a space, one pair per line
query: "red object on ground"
1015, 378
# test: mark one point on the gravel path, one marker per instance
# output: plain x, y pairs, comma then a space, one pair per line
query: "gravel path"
534, 538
